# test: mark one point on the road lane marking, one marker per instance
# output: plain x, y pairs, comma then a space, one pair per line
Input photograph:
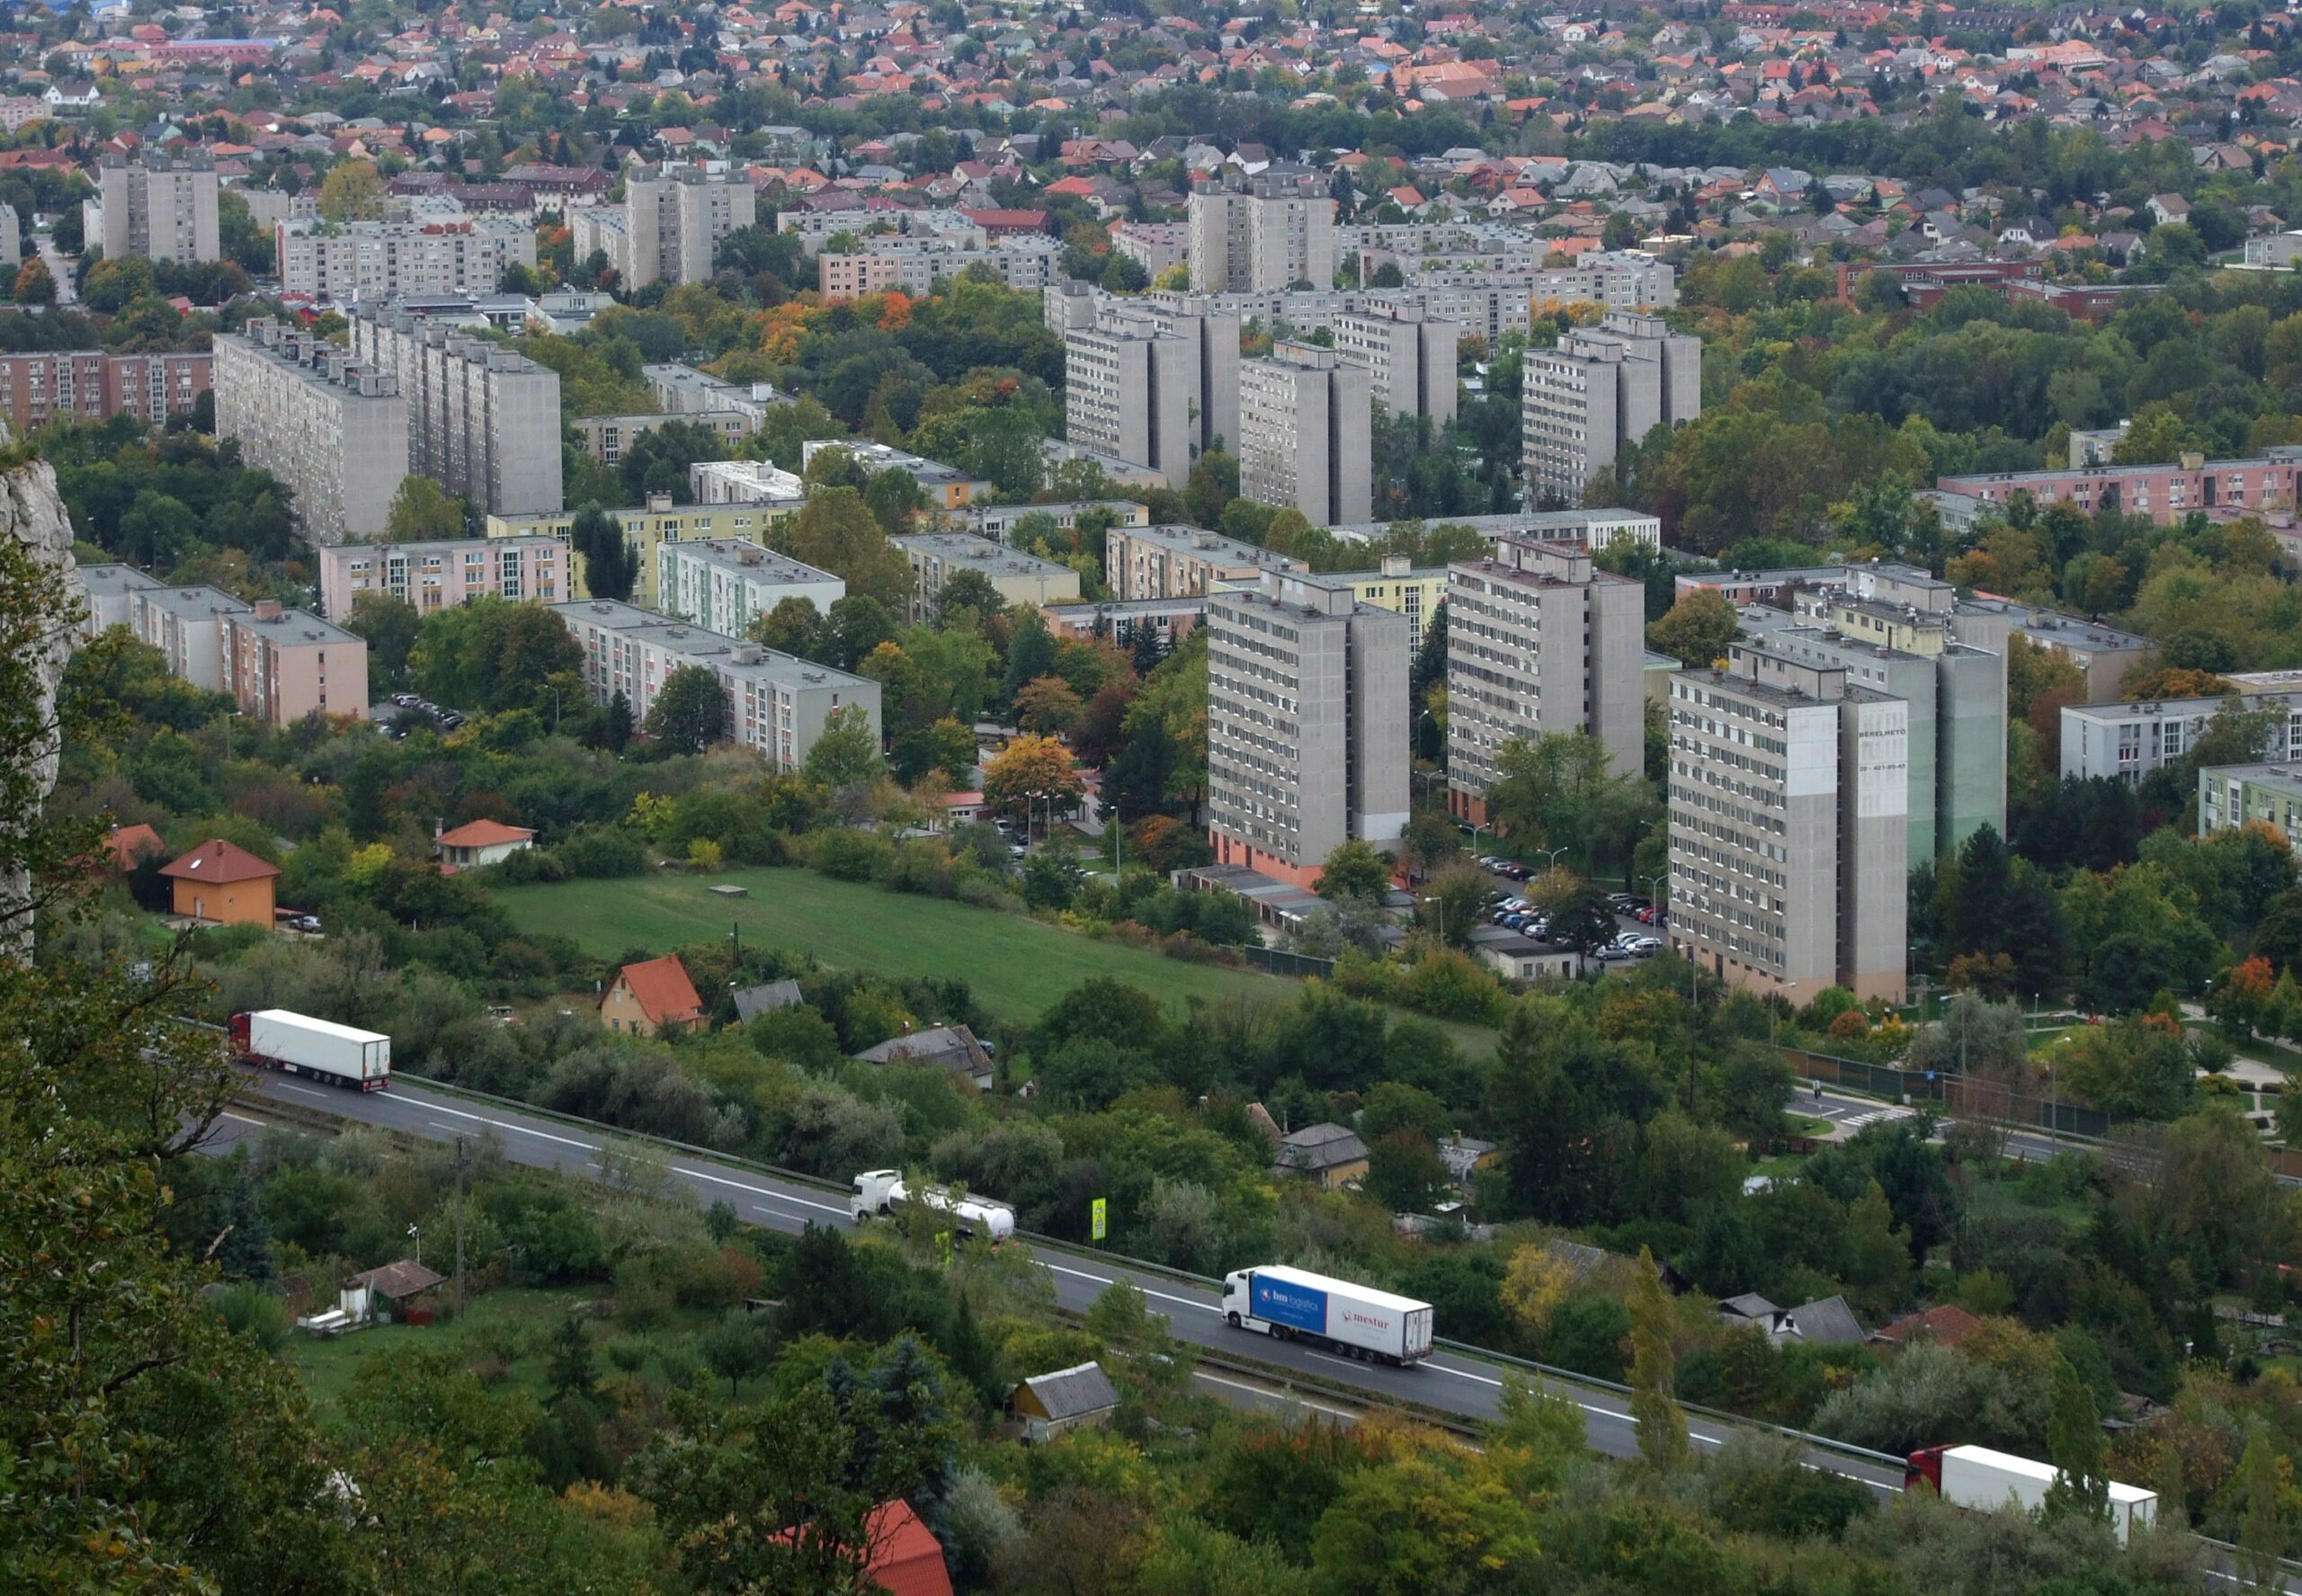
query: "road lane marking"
243, 1119
1271, 1395
304, 1091
766, 1192
507, 1124
1159, 1295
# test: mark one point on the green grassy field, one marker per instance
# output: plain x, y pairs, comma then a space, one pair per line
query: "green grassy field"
1017, 966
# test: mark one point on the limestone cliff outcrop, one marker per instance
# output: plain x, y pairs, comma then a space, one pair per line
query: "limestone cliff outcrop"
35, 643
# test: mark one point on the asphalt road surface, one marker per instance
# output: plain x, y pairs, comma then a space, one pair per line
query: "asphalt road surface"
1451, 1382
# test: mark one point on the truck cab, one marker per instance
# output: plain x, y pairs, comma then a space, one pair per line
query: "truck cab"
1236, 1312
875, 1191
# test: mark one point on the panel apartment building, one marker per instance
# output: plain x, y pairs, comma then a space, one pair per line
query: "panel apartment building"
161, 207
332, 427
1602, 389
1273, 230
373, 262
1307, 723
38, 388
1183, 562
1539, 640
279, 665
723, 584
483, 420
670, 225
1787, 798
777, 704
1150, 380
1017, 577
1305, 434
1409, 356
442, 574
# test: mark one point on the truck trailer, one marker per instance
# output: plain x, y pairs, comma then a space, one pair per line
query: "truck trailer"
1978, 1478
1356, 1321
319, 1049
882, 1191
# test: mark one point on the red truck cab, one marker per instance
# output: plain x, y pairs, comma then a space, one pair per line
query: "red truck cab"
1924, 1468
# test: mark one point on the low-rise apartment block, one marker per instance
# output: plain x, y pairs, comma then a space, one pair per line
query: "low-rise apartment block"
1539, 640
1304, 433
112, 593
38, 388
1415, 591
1121, 622
777, 704
483, 420
1597, 528
1018, 578
2165, 492
373, 263
1787, 795
683, 391
1600, 391
646, 529
1169, 561
2232, 796
282, 664
947, 488
743, 482
998, 522
2128, 741
442, 575
333, 428
1307, 723
606, 437
186, 625
724, 584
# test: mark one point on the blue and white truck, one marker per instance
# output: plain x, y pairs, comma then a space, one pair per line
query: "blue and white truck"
1355, 1320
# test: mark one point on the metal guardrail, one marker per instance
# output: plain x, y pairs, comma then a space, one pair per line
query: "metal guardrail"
1109, 1259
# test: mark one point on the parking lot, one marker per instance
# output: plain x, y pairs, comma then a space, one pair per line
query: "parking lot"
402, 710
1636, 937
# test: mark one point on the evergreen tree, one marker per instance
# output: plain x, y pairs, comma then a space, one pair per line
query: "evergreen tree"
1662, 1422
691, 711
610, 567
2262, 1537
1430, 671
2079, 1449
568, 1368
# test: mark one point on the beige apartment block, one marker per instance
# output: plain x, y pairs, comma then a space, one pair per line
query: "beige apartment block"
840, 278
444, 574
1601, 391
373, 263
1305, 434
777, 704
1018, 578
647, 529
1306, 723
280, 665
1788, 798
1182, 562
1539, 640
483, 420
1410, 358
186, 625
1273, 230
332, 427
161, 207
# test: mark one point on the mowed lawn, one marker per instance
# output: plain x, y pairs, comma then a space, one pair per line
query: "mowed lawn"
1016, 967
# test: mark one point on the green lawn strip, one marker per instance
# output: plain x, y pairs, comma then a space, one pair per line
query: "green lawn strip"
1016, 967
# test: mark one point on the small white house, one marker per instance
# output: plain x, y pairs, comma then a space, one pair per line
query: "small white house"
481, 843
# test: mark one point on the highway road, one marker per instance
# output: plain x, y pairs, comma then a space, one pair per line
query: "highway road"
1452, 1383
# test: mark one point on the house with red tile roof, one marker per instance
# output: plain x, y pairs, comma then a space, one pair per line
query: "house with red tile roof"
477, 842
1947, 1325
221, 883
130, 844
650, 998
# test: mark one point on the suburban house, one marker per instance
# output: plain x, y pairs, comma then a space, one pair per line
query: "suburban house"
651, 998
1465, 1156
907, 1559
1947, 1325
954, 1047
219, 884
480, 842
1827, 1322
130, 845
1331, 1154
752, 1002
1069, 1399
374, 1295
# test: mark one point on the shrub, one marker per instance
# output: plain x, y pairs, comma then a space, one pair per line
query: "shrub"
248, 1309
850, 855
601, 852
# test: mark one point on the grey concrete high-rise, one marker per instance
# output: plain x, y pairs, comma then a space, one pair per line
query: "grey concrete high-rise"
1601, 390
1273, 230
161, 207
1788, 799
1410, 358
331, 426
1305, 438
1150, 379
670, 225
1306, 723
482, 420
1539, 640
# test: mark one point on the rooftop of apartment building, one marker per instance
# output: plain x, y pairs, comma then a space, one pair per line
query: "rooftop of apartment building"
441, 546
1785, 696
2285, 779
292, 627
1091, 609
192, 601
1312, 596
102, 581
1180, 539
2052, 624
879, 457
732, 656
1541, 564
312, 361
978, 554
2146, 709
745, 559
2282, 454
1546, 524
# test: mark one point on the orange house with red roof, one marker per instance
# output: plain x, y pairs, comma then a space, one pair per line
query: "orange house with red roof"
651, 998
222, 885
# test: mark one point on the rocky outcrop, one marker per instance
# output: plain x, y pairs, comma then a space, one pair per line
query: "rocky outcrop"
36, 638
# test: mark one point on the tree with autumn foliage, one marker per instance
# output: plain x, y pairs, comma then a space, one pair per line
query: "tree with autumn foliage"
1028, 774
2240, 999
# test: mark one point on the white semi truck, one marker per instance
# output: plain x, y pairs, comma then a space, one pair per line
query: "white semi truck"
1978, 1478
882, 1191
1355, 1320
319, 1049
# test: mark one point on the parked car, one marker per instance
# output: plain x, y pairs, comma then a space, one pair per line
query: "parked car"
306, 922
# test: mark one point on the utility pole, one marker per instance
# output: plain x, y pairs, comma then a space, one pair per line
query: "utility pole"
460, 1229
736, 935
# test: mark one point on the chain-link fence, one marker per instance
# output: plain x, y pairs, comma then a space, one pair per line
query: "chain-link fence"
1963, 1096
1280, 962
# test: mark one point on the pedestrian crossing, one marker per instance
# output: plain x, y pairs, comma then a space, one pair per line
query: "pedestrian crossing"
1886, 1116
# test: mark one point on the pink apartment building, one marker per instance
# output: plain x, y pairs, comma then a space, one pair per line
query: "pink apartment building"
432, 576
282, 664
2165, 493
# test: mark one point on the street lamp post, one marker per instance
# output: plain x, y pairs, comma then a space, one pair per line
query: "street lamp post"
1550, 855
